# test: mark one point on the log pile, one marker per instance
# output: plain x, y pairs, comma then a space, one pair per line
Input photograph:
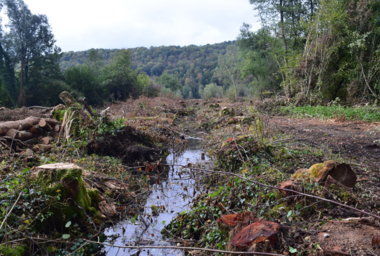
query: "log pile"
31, 131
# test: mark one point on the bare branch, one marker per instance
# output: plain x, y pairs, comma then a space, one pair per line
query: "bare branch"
10, 211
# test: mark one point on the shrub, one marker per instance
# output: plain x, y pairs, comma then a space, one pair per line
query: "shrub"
212, 91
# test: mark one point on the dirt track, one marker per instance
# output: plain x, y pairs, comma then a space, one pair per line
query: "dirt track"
358, 141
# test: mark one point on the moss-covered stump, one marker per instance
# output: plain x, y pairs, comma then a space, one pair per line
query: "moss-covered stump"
326, 173
71, 199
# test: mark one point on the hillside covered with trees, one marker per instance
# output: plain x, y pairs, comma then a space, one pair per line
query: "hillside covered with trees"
184, 70
311, 52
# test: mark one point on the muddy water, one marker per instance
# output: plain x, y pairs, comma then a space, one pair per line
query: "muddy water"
166, 201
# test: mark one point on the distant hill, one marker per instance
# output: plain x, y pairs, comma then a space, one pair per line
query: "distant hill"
193, 65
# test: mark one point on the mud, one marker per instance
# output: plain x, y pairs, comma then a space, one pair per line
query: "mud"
128, 144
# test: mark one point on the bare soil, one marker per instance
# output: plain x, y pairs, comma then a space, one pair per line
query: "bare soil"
347, 238
353, 140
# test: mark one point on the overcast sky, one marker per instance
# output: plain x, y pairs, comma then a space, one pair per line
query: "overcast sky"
85, 24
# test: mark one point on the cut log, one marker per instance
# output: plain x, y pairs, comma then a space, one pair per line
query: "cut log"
255, 233
19, 135
24, 135
18, 125
50, 121
47, 124
12, 133
42, 123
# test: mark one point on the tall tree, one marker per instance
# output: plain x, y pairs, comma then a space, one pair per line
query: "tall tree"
7, 78
228, 71
29, 41
287, 18
262, 58
119, 79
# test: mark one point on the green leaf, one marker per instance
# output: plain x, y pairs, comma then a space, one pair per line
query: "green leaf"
68, 224
65, 236
292, 250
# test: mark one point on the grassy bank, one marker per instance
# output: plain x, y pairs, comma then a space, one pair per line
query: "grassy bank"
368, 114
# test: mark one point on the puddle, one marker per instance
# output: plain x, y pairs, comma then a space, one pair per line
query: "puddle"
166, 201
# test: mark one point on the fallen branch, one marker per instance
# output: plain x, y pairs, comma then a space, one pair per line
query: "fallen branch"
40, 107
10, 211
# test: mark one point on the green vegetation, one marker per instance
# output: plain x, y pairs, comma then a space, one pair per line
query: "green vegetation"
315, 51
212, 91
370, 114
28, 55
30, 73
64, 204
192, 67
260, 162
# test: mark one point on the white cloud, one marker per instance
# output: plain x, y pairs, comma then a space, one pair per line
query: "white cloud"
84, 24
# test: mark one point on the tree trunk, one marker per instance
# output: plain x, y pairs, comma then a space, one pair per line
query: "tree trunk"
282, 25
311, 7
9, 75
22, 95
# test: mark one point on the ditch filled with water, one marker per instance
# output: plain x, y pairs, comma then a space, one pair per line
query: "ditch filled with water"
167, 199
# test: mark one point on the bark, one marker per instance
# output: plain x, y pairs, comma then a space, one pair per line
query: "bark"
22, 95
282, 24
19, 135
18, 125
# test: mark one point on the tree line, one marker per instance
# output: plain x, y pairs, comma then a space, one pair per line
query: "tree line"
30, 72
183, 71
311, 51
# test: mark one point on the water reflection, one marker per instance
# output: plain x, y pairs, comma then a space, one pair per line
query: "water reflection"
165, 202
